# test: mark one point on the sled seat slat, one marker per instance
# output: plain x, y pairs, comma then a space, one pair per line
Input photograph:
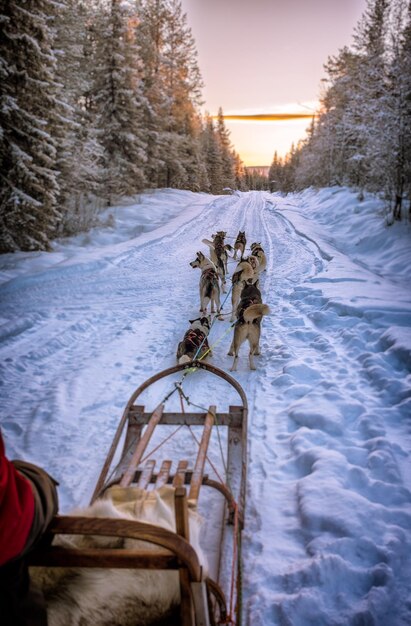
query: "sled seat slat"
198, 472
163, 475
146, 474
133, 434
179, 478
141, 446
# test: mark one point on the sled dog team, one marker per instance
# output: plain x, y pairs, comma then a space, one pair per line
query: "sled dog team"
247, 305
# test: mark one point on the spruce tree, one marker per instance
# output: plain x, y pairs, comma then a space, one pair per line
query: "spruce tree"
239, 172
172, 88
116, 99
275, 173
212, 156
80, 154
397, 135
405, 64
226, 151
29, 124
368, 108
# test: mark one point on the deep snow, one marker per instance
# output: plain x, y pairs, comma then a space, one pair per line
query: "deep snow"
327, 539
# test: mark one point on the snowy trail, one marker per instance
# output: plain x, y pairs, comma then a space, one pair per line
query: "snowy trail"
328, 395
328, 516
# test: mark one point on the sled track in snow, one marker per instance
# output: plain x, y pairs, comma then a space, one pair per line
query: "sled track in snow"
328, 402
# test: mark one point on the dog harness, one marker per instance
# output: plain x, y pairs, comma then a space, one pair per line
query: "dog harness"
210, 273
256, 249
244, 305
195, 337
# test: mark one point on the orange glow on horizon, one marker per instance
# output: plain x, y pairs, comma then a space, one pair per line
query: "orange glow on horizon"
256, 136
268, 117
256, 140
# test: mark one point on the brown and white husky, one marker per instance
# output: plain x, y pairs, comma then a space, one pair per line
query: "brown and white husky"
257, 250
195, 343
243, 274
248, 325
218, 254
209, 284
240, 244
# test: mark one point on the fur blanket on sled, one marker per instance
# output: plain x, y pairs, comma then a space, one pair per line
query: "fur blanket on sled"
118, 597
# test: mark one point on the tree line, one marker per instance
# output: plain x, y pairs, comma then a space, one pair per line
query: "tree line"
361, 136
99, 99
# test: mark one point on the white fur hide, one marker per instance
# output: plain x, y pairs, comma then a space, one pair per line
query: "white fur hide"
117, 597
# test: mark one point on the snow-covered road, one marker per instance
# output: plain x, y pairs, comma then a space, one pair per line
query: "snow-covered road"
328, 520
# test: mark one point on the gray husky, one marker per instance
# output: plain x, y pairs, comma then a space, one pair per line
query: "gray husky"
218, 254
209, 284
240, 244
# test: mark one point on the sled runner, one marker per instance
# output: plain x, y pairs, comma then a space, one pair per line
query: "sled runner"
205, 601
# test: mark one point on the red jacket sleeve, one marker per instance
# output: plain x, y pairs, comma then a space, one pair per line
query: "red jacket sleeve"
16, 508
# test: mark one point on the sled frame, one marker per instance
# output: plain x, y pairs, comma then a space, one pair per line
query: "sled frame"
200, 599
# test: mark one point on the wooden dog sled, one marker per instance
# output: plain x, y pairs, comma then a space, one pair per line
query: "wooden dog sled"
204, 601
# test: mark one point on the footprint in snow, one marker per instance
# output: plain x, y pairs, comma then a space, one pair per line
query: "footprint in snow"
12, 427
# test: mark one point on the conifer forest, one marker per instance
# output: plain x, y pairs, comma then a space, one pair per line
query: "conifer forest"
102, 99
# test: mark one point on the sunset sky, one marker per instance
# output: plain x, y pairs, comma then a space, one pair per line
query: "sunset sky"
266, 57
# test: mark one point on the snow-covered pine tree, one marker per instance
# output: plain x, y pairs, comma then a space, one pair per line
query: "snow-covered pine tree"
195, 170
150, 41
367, 111
405, 70
239, 172
397, 103
182, 81
80, 154
362, 135
290, 166
313, 153
226, 149
117, 100
172, 86
28, 121
212, 156
333, 153
256, 179
275, 173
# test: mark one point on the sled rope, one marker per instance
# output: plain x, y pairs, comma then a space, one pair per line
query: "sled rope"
217, 341
161, 444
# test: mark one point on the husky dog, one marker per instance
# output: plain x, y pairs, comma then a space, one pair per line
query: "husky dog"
245, 273
209, 285
257, 251
248, 324
240, 244
255, 264
218, 254
195, 344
